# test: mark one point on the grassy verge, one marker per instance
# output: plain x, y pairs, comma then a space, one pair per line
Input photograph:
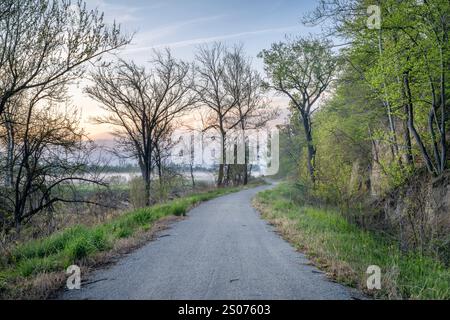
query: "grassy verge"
345, 251
35, 269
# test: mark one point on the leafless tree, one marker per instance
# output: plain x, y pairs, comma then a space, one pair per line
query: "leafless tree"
252, 108
139, 101
44, 46
213, 94
230, 89
187, 143
47, 156
43, 42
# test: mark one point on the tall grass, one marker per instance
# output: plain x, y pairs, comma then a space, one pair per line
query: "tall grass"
346, 251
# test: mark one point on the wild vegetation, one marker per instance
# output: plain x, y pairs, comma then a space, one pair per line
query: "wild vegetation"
377, 145
44, 46
345, 251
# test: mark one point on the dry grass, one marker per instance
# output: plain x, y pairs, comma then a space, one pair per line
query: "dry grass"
344, 251
288, 229
48, 285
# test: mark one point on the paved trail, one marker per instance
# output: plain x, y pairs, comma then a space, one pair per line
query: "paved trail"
224, 250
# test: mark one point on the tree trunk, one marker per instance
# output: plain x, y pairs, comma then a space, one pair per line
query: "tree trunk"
160, 174
387, 105
407, 137
9, 178
227, 178
146, 176
311, 150
17, 225
443, 132
245, 173
147, 181
221, 175
431, 168
246, 157
220, 179
192, 176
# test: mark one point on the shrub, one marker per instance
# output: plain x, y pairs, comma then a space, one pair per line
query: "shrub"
138, 197
80, 248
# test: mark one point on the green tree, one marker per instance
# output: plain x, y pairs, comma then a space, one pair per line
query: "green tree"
405, 62
301, 69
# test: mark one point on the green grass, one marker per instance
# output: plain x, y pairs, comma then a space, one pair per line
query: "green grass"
58, 251
346, 251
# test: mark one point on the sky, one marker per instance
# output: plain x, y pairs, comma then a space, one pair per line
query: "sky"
182, 25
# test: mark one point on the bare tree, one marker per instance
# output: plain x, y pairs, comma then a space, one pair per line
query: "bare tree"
44, 46
231, 90
302, 69
251, 109
213, 94
140, 101
47, 155
44, 42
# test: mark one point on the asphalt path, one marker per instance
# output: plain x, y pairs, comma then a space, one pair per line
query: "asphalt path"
223, 250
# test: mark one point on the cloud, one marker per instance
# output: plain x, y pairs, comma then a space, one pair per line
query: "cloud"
161, 32
122, 13
197, 41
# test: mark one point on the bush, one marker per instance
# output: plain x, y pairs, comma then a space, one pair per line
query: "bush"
100, 239
80, 248
138, 197
179, 209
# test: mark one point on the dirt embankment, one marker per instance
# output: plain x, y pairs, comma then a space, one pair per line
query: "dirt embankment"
419, 213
